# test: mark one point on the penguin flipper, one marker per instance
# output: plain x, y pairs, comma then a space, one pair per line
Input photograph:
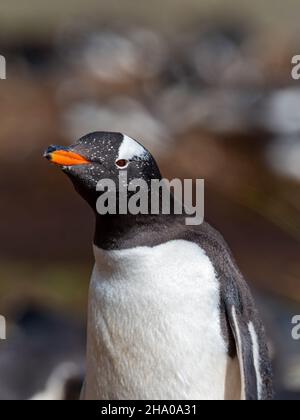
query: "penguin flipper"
250, 341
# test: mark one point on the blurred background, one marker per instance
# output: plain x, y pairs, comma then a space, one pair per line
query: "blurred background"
207, 87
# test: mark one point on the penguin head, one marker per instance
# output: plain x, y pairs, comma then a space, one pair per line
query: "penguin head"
102, 155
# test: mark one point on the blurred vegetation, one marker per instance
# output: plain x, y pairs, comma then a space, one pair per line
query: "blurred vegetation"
34, 16
62, 286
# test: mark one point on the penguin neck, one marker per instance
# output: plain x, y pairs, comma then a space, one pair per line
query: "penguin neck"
115, 232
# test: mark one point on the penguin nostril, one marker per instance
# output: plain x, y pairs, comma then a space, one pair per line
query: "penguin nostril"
50, 149
122, 163
53, 148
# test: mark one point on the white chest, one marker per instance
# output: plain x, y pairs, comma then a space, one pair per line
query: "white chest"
154, 325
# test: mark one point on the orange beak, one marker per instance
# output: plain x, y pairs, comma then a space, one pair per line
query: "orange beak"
65, 158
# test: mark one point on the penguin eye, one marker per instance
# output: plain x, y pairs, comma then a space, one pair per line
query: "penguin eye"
121, 163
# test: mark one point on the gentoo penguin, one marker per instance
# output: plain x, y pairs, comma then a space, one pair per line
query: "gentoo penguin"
170, 315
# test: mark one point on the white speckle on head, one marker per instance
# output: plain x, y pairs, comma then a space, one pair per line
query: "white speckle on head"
255, 351
130, 148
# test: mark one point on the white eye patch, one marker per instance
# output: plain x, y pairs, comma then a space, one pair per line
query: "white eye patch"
130, 149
